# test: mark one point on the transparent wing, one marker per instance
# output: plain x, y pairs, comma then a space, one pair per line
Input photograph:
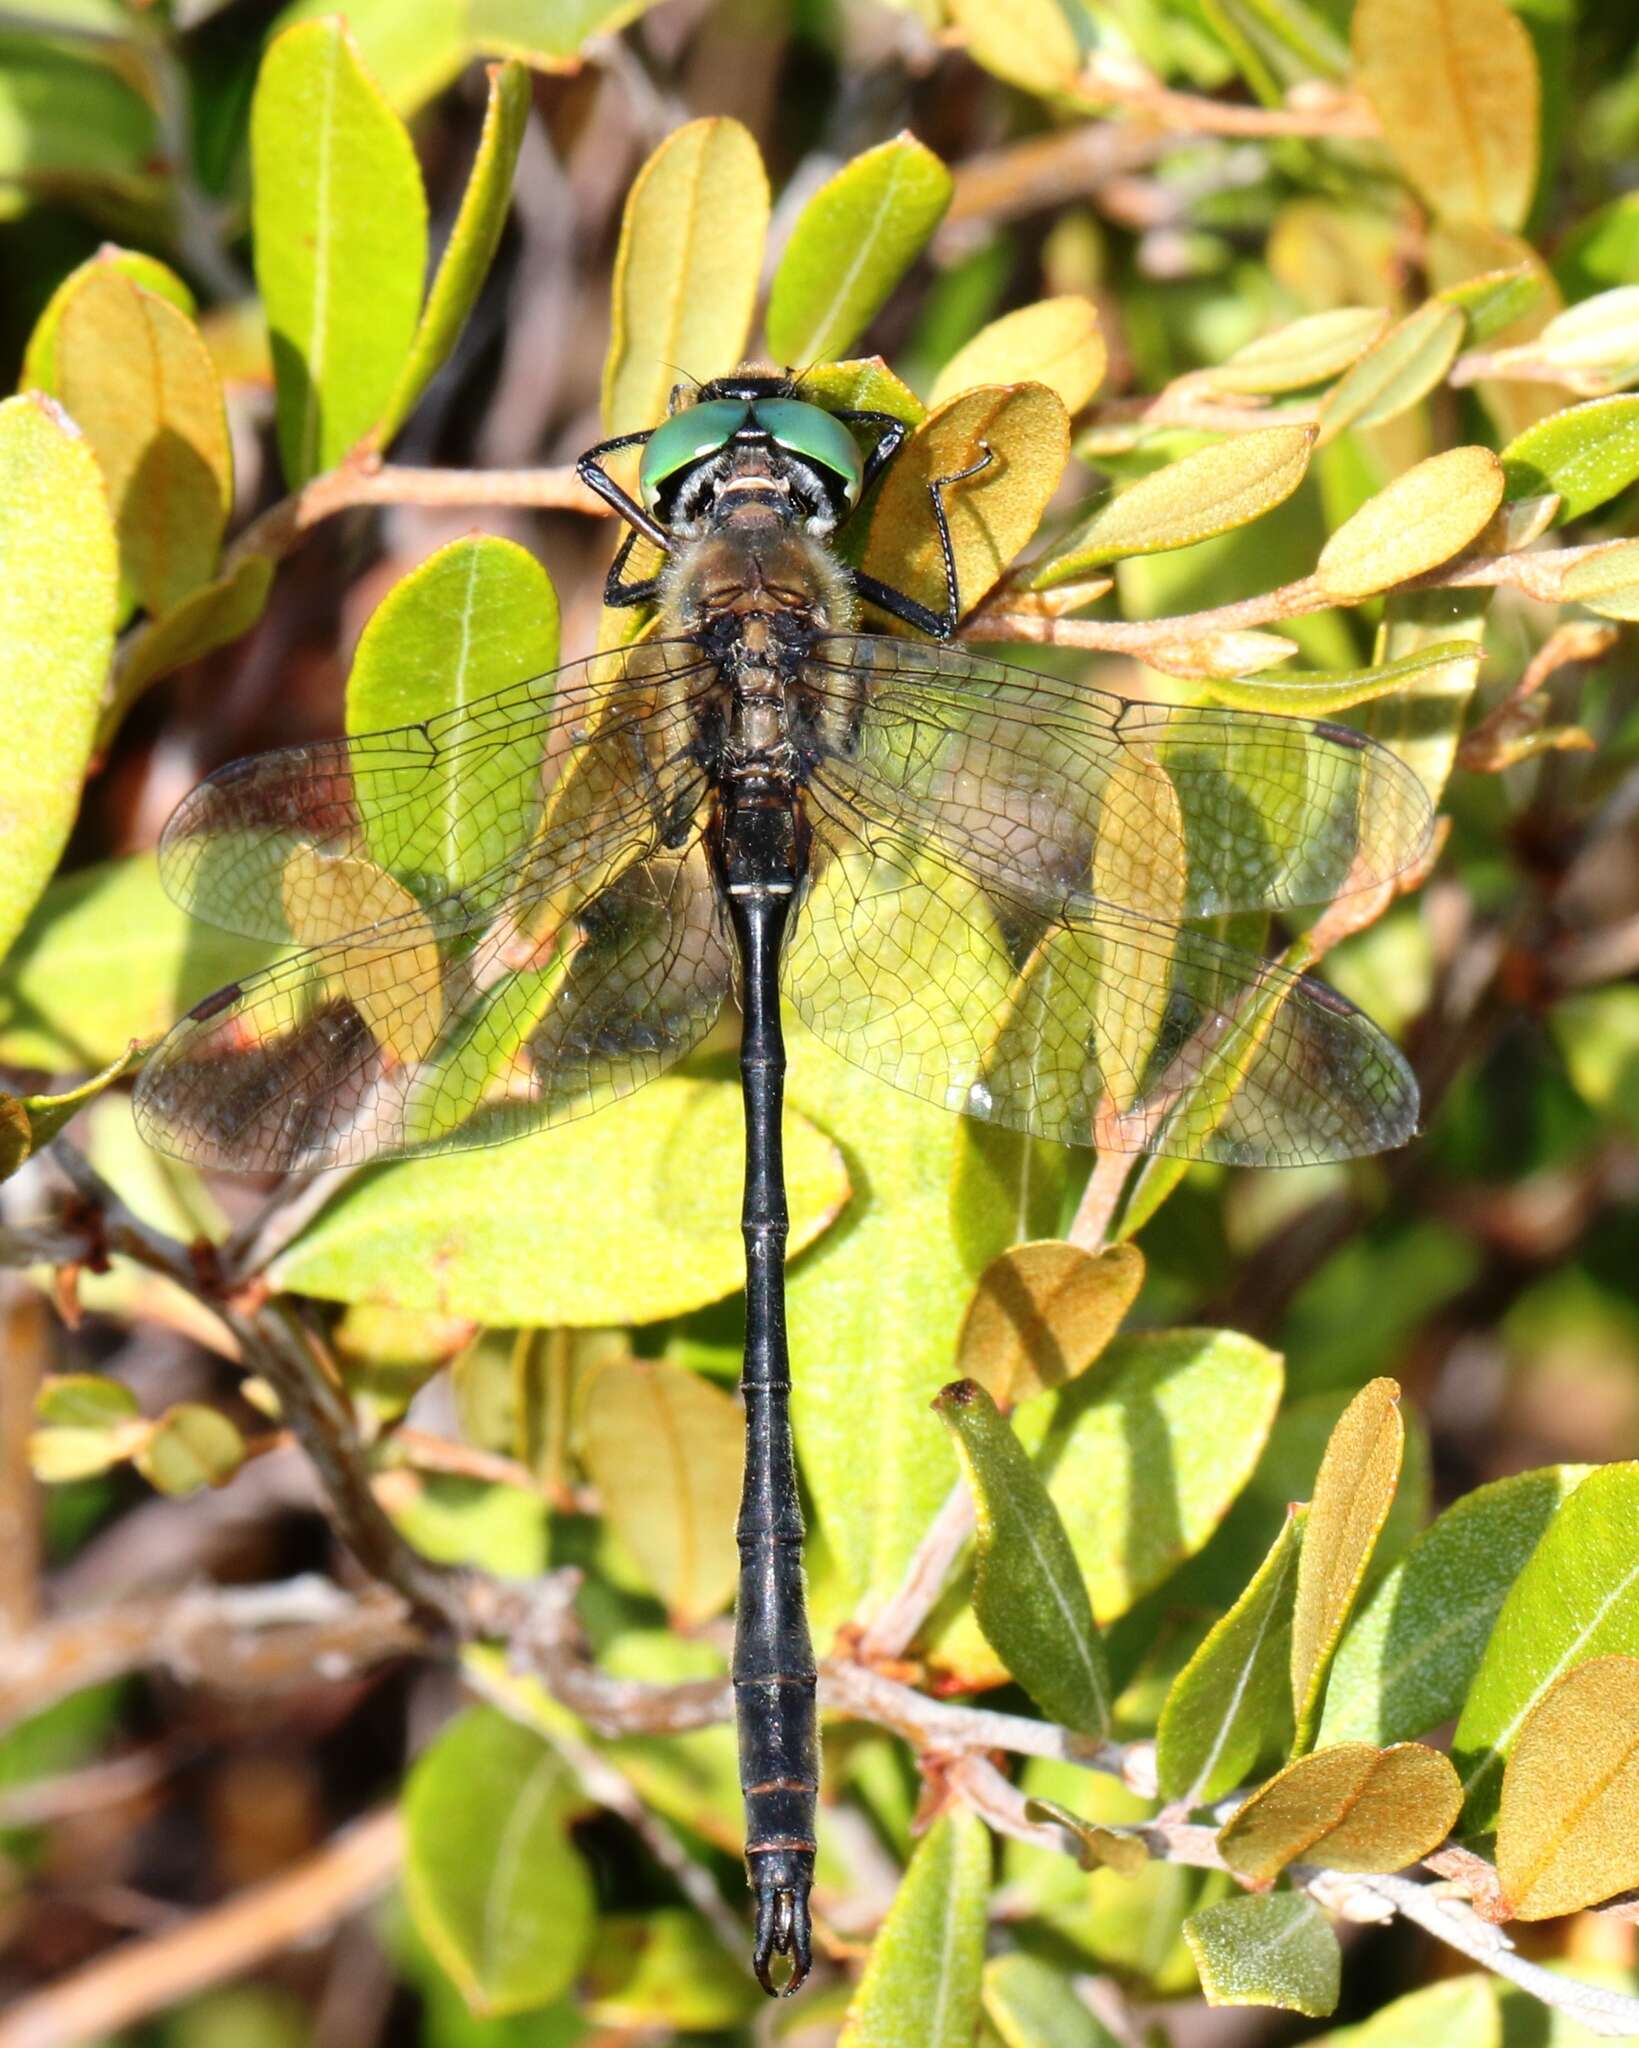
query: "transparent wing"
1054, 791
394, 1042
462, 810
1090, 1027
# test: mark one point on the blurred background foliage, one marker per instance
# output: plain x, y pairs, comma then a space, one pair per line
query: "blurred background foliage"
1202, 171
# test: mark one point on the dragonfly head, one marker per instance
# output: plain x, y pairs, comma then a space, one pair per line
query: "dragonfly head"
746, 427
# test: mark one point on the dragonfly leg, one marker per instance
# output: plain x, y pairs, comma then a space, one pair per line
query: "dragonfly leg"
589, 468
891, 436
616, 591
909, 610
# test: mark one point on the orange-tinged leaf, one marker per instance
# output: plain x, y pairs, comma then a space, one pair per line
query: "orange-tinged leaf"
1422, 519
1042, 1314
326, 899
1568, 1828
1056, 342
1348, 1808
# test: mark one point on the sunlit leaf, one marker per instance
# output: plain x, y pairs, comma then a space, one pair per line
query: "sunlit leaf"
58, 580
1056, 342
191, 1447
691, 250
1400, 367
1460, 2010
1352, 1807
1577, 1599
40, 357
1607, 583
1278, 1950
921, 1983
1320, 694
1422, 519
1568, 1824
1493, 300
1308, 351
1043, 1313
340, 227
662, 1969
1354, 1489
32, 1121
84, 1424
1028, 1595
864, 384
1031, 43
1032, 2004
497, 1890
1098, 1847
1583, 455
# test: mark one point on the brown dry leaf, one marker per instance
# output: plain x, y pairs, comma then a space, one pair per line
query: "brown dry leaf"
1353, 1807
1354, 1490
1454, 84
1422, 519
1568, 1827
664, 1448
1042, 1314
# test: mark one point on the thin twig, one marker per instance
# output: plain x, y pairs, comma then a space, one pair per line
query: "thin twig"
892, 1630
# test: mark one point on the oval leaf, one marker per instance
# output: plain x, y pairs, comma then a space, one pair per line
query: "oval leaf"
1231, 1704
1354, 1490
1349, 1808
191, 1447
1454, 84
922, 1981
1279, 1950
1028, 1595
495, 1887
1043, 1313
691, 251
58, 587
665, 1448
1607, 583
1408, 1658
1568, 1829
992, 515
40, 357
1309, 351
510, 1236
1398, 369
340, 224
1417, 522
1577, 1599
1033, 2004
1583, 456
852, 243
1056, 342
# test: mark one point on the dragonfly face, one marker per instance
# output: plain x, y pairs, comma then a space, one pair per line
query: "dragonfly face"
985, 886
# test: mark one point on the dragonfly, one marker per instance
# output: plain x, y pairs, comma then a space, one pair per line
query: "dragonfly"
983, 885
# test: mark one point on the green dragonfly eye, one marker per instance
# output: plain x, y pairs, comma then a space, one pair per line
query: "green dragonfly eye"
811, 431
682, 440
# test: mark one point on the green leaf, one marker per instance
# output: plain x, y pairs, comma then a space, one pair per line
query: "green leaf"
479, 614
72, 125
34, 1120
1460, 2013
864, 384
1030, 43
1043, 1313
921, 1984
40, 357
1568, 1827
1028, 1595
107, 957
1097, 1847
1584, 455
139, 383
1319, 693
1607, 583
1278, 1950
1312, 350
1354, 1490
1578, 1598
1398, 369
852, 243
1212, 491
1424, 517
512, 1236
85, 1424
340, 223
1056, 342
1495, 299
1231, 1705
663, 1971
992, 515
664, 1447
471, 247
1408, 1658
1454, 84
1595, 341
1353, 1807
191, 1447
1598, 1039
686, 272
58, 583
1032, 2004
496, 1889
209, 618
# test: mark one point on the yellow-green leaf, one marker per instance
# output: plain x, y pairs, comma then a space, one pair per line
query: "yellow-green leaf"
865, 384
1348, 1808
1056, 342
208, 618
471, 246
1354, 1490
1030, 43
1607, 583
191, 1446
1492, 300
1568, 1827
1401, 367
664, 1448
1279, 1950
852, 243
921, 1984
992, 514
1308, 351
1318, 693
1422, 519
691, 251
1042, 1314
1454, 84
1032, 2003
40, 357
1583, 455
32, 1121
1028, 1595
1227, 485
339, 217
58, 585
